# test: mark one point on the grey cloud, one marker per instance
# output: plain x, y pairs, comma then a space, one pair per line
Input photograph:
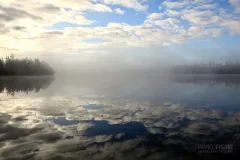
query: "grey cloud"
18, 28
2, 25
55, 33
50, 8
14, 13
3, 29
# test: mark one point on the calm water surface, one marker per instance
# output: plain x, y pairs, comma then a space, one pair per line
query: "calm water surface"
120, 117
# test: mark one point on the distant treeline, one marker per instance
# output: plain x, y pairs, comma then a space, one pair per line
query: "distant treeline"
208, 68
23, 67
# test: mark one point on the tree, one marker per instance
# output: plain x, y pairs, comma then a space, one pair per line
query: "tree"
12, 66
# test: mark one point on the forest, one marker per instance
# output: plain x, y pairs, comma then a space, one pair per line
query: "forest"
11, 66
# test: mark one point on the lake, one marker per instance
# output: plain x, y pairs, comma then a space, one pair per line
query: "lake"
132, 116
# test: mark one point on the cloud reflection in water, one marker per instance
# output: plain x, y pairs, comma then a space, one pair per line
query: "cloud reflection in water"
63, 127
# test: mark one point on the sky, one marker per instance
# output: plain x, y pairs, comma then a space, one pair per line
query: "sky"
120, 33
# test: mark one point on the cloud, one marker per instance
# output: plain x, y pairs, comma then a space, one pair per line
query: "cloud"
207, 6
72, 4
236, 4
10, 14
155, 16
174, 5
201, 17
76, 18
169, 23
47, 14
172, 13
198, 32
166, 44
102, 8
119, 11
233, 27
55, 32
134, 4
58, 26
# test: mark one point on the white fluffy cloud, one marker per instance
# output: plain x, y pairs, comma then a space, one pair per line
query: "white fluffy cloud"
155, 15
174, 5
34, 23
198, 32
133, 4
102, 8
172, 13
201, 17
169, 23
119, 11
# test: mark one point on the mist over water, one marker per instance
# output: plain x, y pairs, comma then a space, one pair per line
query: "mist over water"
153, 59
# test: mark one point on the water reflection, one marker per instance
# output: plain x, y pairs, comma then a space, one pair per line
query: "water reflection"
94, 106
121, 132
13, 85
67, 125
102, 127
220, 91
227, 80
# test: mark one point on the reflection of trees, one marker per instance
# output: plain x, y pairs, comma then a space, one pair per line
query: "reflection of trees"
24, 84
227, 80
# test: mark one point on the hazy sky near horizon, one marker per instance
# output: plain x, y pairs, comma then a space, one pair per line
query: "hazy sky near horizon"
120, 33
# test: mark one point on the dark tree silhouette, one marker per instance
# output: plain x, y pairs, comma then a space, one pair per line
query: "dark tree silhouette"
23, 67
